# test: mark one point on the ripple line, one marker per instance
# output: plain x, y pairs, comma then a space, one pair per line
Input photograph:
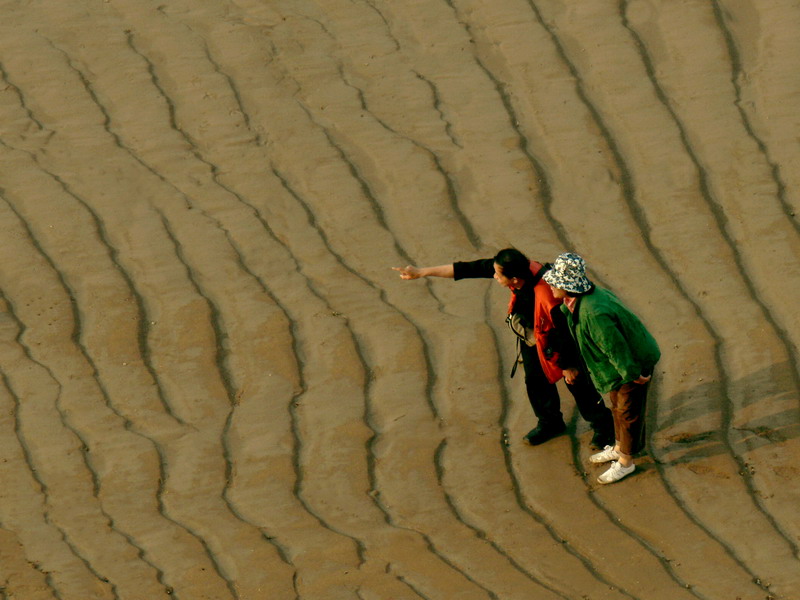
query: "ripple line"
480, 533
226, 376
547, 200
312, 221
216, 320
219, 330
412, 587
369, 420
518, 495
21, 96
99, 225
545, 191
128, 425
629, 194
722, 221
294, 401
437, 106
221, 360
737, 73
452, 194
386, 24
641, 220
365, 364
542, 176
43, 487
257, 137
363, 184
547, 197
113, 254
26, 454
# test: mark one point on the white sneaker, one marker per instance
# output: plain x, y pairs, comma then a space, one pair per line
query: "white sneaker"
606, 455
616, 472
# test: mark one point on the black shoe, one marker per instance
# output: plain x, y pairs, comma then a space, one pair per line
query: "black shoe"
601, 439
539, 434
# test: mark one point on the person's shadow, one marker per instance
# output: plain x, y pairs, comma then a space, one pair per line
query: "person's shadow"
724, 416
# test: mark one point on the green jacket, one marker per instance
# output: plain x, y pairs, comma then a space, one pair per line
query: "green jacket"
614, 344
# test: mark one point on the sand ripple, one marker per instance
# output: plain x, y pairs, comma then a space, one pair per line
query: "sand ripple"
213, 386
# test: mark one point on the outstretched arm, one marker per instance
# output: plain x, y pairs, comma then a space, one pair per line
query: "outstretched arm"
411, 272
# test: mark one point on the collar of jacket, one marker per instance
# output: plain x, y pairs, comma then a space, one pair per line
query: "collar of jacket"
537, 270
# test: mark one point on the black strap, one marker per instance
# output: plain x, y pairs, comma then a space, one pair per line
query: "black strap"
517, 359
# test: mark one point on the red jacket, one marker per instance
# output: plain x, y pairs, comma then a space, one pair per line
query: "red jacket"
543, 327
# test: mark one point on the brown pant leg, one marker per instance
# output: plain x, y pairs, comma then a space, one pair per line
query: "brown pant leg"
628, 405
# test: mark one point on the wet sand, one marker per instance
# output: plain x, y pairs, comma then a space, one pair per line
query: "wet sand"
214, 386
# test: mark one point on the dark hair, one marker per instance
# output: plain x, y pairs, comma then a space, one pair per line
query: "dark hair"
513, 263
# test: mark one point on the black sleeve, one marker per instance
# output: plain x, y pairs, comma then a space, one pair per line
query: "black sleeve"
475, 269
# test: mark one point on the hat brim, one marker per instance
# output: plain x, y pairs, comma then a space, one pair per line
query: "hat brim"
575, 285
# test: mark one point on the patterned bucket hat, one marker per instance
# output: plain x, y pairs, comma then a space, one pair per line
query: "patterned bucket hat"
569, 273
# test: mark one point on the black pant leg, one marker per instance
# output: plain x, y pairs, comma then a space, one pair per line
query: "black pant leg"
542, 394
590, 404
